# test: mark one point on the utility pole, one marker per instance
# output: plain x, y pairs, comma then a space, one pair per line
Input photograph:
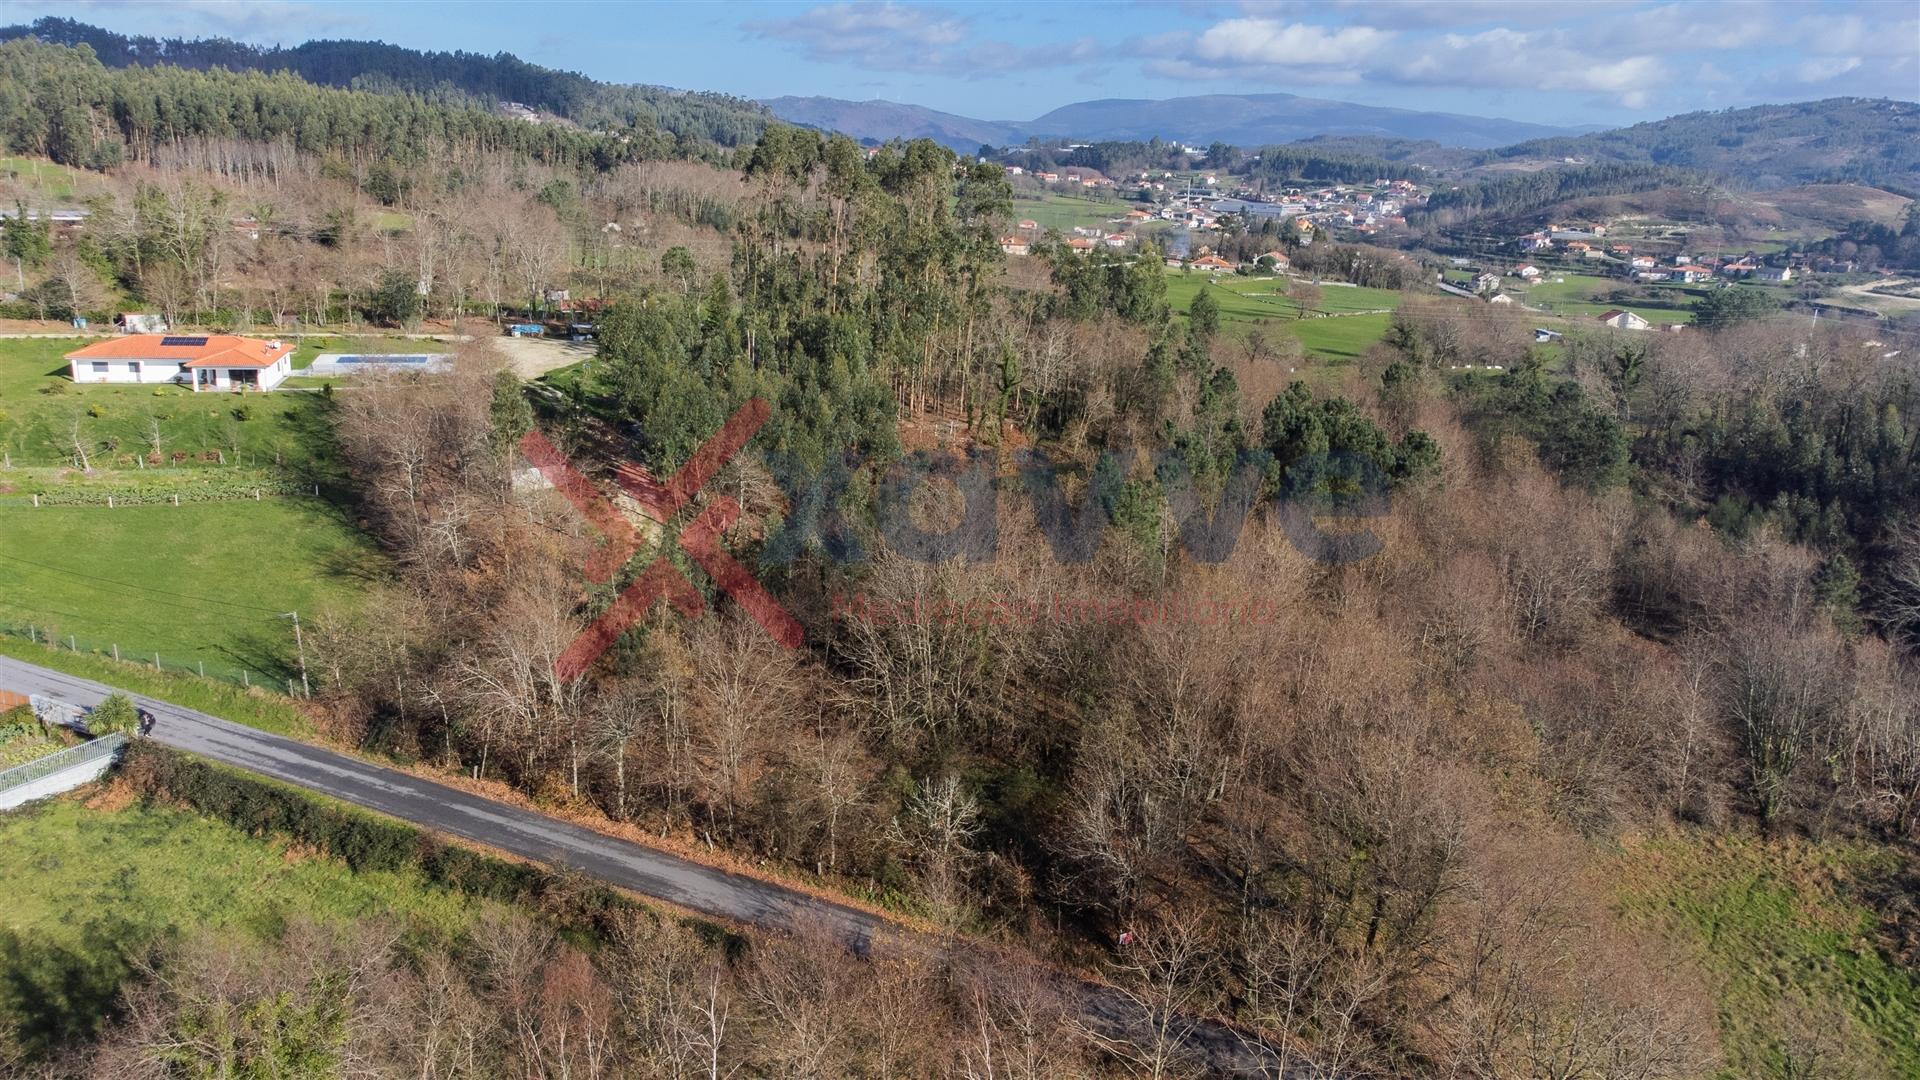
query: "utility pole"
300, 643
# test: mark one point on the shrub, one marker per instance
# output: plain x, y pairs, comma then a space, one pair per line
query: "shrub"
114, 714
243, 411
97, 410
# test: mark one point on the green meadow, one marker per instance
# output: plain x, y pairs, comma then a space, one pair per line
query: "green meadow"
1351, 318
195, 583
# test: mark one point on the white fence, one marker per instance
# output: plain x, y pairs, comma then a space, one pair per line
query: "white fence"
62, 770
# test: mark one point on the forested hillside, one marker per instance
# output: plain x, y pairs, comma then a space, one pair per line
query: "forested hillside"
1521, 193
1838, 140
64, 104
1464, 706
450, 77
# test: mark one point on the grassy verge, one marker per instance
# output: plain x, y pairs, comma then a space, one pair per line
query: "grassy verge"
254, 708
196, 583
1789, 946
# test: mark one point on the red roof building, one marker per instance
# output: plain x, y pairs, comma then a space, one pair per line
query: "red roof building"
201, 361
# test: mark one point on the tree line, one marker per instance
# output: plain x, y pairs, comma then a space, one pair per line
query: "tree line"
463, 78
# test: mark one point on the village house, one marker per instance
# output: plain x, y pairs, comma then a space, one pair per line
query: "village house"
1620, 249
1578, 247
1526, 271
1014, 245
1623, 320
1643, 262
1029, 225
1536, 242
1499, 298
1688, 274
1277, 259
1082, 245
1780, 274
1738, 268
1486, 282
1118, 240
203, 362
1213, 264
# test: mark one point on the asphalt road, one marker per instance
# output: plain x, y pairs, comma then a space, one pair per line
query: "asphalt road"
609, 859
444, 809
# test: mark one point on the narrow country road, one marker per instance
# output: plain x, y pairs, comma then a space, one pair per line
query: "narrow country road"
509, 828
609, 859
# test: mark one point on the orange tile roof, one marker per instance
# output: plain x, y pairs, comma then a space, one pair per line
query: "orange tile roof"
221, 350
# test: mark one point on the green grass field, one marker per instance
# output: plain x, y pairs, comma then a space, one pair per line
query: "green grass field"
38, 176
89, 890
1777, 927
200, 582
1263, 302
1581, 295
1063, 212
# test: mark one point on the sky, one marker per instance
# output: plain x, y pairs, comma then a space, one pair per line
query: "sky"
1571, 62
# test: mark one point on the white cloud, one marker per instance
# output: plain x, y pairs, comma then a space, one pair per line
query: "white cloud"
1241, 42
856, 31
897, 37
1823, 68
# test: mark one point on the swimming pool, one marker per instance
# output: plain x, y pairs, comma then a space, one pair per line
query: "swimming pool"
348, 363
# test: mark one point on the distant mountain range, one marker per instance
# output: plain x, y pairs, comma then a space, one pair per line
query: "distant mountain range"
1872, 141
1241, 119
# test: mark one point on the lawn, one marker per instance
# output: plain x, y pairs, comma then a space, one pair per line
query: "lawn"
89, 890
197, 583
1779, 929
1249, 302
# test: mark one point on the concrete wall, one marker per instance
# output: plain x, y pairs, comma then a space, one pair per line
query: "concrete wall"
81, 764
124, 371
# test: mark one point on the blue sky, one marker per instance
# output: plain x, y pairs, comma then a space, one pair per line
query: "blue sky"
1574, 62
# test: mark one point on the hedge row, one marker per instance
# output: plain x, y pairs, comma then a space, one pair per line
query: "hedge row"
365, 842
136, 494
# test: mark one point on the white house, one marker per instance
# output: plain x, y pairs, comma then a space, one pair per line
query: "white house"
1499, 298
204, 362
1774, 273
1014, 245
1623, 320
1526, 271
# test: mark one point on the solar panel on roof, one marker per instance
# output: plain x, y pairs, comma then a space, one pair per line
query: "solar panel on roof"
183, 341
